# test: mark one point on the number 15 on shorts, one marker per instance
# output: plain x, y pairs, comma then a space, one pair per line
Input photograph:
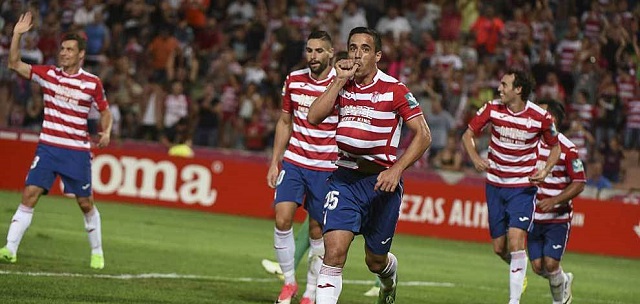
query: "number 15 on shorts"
330, 203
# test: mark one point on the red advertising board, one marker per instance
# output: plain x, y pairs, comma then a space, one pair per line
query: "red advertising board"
235, 184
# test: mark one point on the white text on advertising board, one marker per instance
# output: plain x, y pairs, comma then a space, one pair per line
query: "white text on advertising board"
416, 208
123, 180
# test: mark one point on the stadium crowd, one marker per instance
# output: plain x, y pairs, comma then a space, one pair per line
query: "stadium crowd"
210, 73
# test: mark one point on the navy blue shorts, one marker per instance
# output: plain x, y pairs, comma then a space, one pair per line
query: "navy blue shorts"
548, 240
297, 184
73, 167
353, 205
510, 208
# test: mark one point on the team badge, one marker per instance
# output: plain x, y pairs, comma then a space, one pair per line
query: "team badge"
411, 100
375, 97
577, 165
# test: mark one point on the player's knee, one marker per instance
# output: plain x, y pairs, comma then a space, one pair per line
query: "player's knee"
334, 257
537, 268
283, 223
500, 251
376, 263
551, 265
85, 204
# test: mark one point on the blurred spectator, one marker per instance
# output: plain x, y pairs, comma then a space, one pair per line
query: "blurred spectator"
209, 114
567, 52
98, 39
469, 12
420, 21
86, 14
29, 51
487, 29
352, 16
394, 23
151, 111
612, 160
449, 158
34, 114
596, 179
240, 12
582, 138
450, 22
632, 125
441, 124
160, 50
551, 89
176, 107
581, 110
195, 13
254, 133
609, 117
593, 21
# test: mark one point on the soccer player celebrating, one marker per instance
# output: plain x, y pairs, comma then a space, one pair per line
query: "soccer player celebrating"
64, 146
517, 125
308, 162
366, 189
547, 241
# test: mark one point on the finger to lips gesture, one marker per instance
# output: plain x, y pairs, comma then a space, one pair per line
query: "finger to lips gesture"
346, 68
24, 24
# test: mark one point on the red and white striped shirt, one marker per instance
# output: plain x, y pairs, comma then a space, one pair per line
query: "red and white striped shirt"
568, 169
514, 140
67, 101
311, 147
632, 107
567, 50
371, 118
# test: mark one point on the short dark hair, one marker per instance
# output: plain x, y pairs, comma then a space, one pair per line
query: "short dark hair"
322, 35
81, 39
555, 108
523, 80
377, 41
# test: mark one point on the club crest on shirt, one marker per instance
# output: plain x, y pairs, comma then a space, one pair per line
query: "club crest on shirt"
529, 122
375, 97
577, 165
411, 100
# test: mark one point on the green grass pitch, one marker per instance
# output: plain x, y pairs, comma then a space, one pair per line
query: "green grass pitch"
159, 255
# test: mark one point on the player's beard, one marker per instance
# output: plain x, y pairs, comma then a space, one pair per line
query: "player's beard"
317, 69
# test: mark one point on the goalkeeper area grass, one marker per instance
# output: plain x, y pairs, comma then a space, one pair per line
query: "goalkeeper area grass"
161, 255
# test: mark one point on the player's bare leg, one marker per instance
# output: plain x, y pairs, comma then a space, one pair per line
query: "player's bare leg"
385, 266
284, 245
316, 255
550, 269
518, 266
336, 244
20, 223
93, 226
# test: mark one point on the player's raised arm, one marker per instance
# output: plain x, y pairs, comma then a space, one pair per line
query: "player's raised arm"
323, 105
23, 25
